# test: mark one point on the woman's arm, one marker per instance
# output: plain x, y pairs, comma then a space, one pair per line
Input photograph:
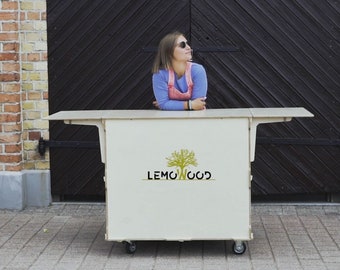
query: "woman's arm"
199, 92
199, 79
160, 90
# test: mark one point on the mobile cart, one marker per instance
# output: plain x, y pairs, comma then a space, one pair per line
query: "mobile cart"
178, 175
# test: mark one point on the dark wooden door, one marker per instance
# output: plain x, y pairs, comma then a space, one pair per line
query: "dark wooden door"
256, 53
288, 57
100, 57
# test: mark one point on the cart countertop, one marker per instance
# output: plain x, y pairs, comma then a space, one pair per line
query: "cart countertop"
89, 115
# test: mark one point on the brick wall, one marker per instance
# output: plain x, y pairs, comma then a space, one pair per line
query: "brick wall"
23, 84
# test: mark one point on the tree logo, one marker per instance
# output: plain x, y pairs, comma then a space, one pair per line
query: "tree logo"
181, 160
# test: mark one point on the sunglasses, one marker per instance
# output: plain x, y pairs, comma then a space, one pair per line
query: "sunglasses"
183, 44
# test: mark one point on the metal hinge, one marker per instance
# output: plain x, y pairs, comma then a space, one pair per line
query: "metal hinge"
43, 144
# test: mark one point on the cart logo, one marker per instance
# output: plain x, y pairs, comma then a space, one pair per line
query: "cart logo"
181, 160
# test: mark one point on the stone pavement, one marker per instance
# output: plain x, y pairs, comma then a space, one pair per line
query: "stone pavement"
71, 236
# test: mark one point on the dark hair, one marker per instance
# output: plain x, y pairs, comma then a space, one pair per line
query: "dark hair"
165, 52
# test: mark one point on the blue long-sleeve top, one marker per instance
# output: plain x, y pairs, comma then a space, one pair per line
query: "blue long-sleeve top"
160, 87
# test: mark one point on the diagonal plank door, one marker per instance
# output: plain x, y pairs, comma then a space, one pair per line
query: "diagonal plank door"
256, 53
100, 57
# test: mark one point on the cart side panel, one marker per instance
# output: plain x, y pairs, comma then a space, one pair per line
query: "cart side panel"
146, 200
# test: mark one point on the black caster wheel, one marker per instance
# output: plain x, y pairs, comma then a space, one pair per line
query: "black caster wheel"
239, 247
130, 247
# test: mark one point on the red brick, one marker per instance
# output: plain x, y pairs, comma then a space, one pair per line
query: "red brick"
12, 127
8, 36
9, 56
11, 87
33, 15
45, 95
33, 57
9, 118
9, 98
13, 168
7, 16
34, 96
10, 26
12, 108
9, 138
24, 96
13, 148
15, 77
9, 5
34, 135
44, 56
23, 57
13, 46
22, 16
10, 158
10, 66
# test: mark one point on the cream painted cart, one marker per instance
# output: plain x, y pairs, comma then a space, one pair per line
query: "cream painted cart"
178, 175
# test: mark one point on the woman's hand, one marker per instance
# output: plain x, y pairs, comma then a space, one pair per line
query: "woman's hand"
198, 104
155, 104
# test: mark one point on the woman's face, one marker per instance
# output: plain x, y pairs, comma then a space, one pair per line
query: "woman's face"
182, 51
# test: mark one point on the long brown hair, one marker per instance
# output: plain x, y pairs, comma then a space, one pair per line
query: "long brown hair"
165, 52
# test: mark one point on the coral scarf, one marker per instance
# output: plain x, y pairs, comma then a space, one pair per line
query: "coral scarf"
176, 94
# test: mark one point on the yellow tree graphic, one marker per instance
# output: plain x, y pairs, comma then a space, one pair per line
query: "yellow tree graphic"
181, 159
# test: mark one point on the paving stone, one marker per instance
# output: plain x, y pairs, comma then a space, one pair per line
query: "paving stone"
72, 236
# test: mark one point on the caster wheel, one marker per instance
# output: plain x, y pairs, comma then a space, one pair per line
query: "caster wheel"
130, 247
239, 247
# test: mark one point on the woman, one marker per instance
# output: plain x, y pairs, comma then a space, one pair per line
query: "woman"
178, 84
